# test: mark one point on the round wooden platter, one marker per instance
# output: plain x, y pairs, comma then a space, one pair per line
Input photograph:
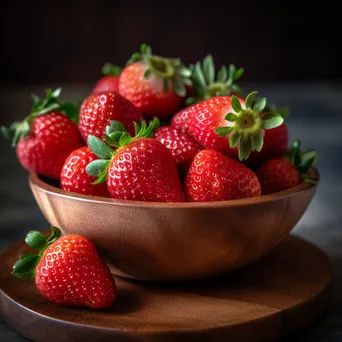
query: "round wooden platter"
284, 292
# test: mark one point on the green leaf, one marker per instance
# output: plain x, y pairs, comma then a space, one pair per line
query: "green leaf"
259, 106
309, 155
24, 275
97, 167
222, 75
238, 73
36, 102
236, 89
179, 87
209, 69
198, 79
257, 142
184, 72
271, 120
231, 73
245, 148
308, 178
250, 98
136, 128
145, 49
306, 164
115, 126
125, 139
187, 81
111, 69
112, 142
56, 93
231, 117
27, 263
36, 240
236, 104
134, 58
223, 131
55, 234
48, 108
101, 179
7, 132
22, 129
190, 101
99, 148
234, 139
147, 74
70, 110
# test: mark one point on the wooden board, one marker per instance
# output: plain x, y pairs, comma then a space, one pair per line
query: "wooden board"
285, 291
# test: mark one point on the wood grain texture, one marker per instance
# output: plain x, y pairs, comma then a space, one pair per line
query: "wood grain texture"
175, 241
283, 292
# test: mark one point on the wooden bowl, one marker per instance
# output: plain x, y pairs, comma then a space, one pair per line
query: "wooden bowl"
175, 241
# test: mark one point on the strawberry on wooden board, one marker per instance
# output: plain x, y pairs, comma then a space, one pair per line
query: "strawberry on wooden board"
67, 270
214, 176
47, 136
97, 110
182, 146
232, 126
141, 168
154, 84
110, 80
279, 174
74, 177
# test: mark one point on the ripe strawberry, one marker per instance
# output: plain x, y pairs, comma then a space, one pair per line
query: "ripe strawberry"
182, 146
110, 80
46, 137
74, 177
68, 270
278, 174
232, 126
154, 84
214, 176
97, 110
182, 119
141, 168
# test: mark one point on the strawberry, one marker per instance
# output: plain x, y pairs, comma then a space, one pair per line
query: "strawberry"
110, 80
67, 270
75, 178
214, 176
182, 146
47, 136
97, 110
182, 119
278, 174
232, 126
141, 168
154, 84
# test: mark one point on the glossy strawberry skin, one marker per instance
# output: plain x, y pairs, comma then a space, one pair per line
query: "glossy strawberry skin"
74, 177
52, 138
183, 118
97, 110
71, 272
277, 174
182, 146
149, 95
106, 83
214, 176
144, 170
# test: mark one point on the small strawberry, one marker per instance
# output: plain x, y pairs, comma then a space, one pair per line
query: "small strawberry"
141, 168
110, 80
214, 176
232, 126
74, 177
67, 270
97, 110
182, 146
47, 136
205, 85
278, 174
154, 84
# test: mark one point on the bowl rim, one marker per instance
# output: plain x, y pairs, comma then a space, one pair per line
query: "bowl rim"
35, 181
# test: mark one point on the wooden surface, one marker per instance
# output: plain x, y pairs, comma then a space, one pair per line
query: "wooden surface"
175, 241
282, 293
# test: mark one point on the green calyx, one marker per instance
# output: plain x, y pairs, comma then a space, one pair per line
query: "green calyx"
25, 267
303, 161
118, 137
172, 71
111, 69
18, 130
246, 125
206, 85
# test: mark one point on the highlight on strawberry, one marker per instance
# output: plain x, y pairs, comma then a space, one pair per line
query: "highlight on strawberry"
49, 130
59, 270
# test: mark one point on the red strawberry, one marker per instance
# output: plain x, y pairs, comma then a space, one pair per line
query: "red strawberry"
46, 137
182, 119
231, 125
141, 168
68, 270
155, 85
278, 174
74, 177
110, 80
97, 110
182, 146
214, 176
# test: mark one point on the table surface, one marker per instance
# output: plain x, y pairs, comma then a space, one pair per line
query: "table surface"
315, 118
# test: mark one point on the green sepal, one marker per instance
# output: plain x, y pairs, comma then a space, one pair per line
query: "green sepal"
250, 99
259, 105
257, 142
36, 240
223, 131
97, 167
115, 126
209, 69
271, 120
222, 75
25, 264
99, 148
245, 148
148, 74
231, 117
55, 234
25, 275
236, 104
234, 139
111, 69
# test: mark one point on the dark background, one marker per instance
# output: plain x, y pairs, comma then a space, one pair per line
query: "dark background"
68, 41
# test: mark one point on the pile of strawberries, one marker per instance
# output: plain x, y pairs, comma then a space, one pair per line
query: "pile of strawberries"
160, 131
